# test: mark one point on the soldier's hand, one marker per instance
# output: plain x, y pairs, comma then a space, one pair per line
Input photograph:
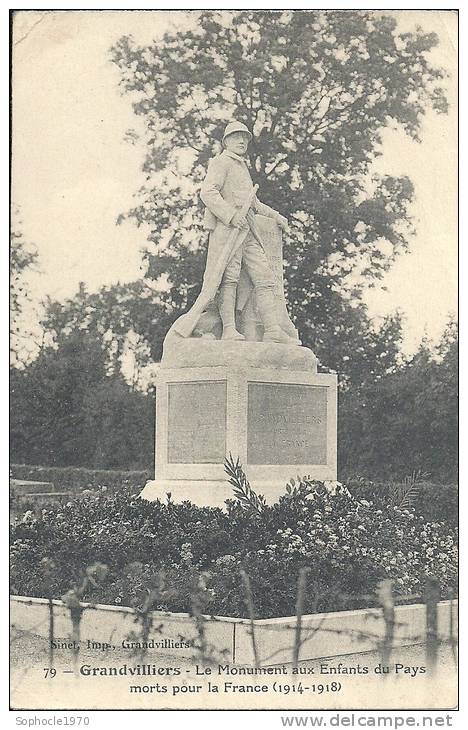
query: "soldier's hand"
283, 222
238, 220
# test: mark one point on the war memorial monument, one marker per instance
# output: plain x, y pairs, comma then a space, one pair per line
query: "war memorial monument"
234, 377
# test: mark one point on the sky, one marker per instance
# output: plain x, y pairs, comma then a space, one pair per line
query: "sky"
73, 173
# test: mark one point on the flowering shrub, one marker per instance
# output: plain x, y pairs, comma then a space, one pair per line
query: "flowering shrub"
434, 501
348, 545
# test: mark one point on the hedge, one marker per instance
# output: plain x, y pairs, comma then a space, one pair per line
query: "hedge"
176, 550
71, 478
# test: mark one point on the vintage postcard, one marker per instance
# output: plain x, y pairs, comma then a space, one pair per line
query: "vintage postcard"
234, 360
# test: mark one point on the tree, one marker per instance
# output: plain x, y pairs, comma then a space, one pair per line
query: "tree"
23, 256
65, 410
408, 420
317, 88
108, 315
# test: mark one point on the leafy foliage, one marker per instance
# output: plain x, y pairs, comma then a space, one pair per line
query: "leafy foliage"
66, 410
349, 545
113, 316
243, 492
23, 257
435, 501
406, 421
406, 494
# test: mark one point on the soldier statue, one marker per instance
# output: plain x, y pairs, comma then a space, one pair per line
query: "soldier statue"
237, 266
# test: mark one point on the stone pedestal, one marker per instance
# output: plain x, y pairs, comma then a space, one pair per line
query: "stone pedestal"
261, 402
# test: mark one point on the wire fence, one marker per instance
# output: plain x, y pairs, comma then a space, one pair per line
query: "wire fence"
148, 623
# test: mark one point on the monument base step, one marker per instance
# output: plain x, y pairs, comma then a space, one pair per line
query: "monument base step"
210, 493
199, 352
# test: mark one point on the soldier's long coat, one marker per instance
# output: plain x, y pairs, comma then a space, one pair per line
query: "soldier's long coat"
225, 189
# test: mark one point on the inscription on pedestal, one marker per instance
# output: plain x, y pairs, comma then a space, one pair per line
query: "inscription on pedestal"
286, 424
196, 423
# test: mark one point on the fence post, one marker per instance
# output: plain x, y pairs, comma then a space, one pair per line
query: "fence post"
385, 596
75, 615
51, 633
250, 607
431, 597
453, 641
301, 589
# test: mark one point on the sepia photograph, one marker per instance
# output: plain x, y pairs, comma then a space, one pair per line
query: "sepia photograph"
234, 360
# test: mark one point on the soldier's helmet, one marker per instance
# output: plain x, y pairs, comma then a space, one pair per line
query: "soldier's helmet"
236, 127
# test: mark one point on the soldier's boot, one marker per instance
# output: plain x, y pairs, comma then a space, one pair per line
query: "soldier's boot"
226, 305
267, 310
